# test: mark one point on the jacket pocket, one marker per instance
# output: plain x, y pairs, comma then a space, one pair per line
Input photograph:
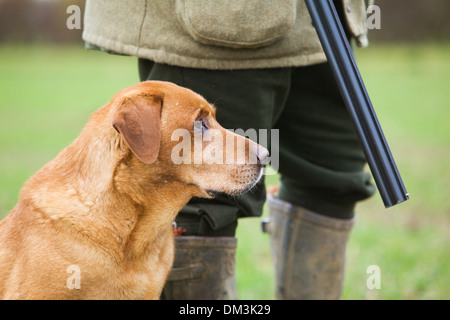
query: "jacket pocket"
236, 23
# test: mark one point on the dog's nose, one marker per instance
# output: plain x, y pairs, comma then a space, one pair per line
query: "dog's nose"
262, 154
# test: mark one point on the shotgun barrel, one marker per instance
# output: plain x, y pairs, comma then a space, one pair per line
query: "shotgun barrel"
340, 58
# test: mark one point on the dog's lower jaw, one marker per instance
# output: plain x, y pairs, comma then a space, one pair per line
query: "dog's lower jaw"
250, 181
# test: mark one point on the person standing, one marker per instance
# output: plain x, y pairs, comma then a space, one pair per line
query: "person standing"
261, 64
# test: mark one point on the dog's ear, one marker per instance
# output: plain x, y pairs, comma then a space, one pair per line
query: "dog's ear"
138, 120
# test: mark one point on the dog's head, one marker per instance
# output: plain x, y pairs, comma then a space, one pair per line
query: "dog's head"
172, 132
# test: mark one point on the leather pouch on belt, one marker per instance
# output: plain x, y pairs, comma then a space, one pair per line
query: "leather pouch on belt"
217, 216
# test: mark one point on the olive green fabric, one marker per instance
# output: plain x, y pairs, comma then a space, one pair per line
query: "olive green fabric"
321, 161
232, 34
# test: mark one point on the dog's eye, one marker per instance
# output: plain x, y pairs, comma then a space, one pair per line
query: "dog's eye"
204, 127
200, 126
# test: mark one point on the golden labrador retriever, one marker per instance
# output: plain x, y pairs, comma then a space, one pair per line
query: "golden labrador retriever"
96, 222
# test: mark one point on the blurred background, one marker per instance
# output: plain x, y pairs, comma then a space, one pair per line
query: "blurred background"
49, 85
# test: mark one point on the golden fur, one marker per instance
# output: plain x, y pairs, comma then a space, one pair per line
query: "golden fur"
106, 203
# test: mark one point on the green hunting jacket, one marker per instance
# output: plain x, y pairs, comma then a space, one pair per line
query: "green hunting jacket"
220, 34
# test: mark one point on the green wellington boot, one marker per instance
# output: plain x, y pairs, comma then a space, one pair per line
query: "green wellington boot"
203, 269
308, 251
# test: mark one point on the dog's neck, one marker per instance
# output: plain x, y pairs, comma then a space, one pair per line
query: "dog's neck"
156, 197
89, 182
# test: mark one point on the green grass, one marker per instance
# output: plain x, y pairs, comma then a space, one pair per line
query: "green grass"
46, 97
409, 88
48, 93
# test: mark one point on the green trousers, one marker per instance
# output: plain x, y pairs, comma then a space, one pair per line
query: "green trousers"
320, 158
